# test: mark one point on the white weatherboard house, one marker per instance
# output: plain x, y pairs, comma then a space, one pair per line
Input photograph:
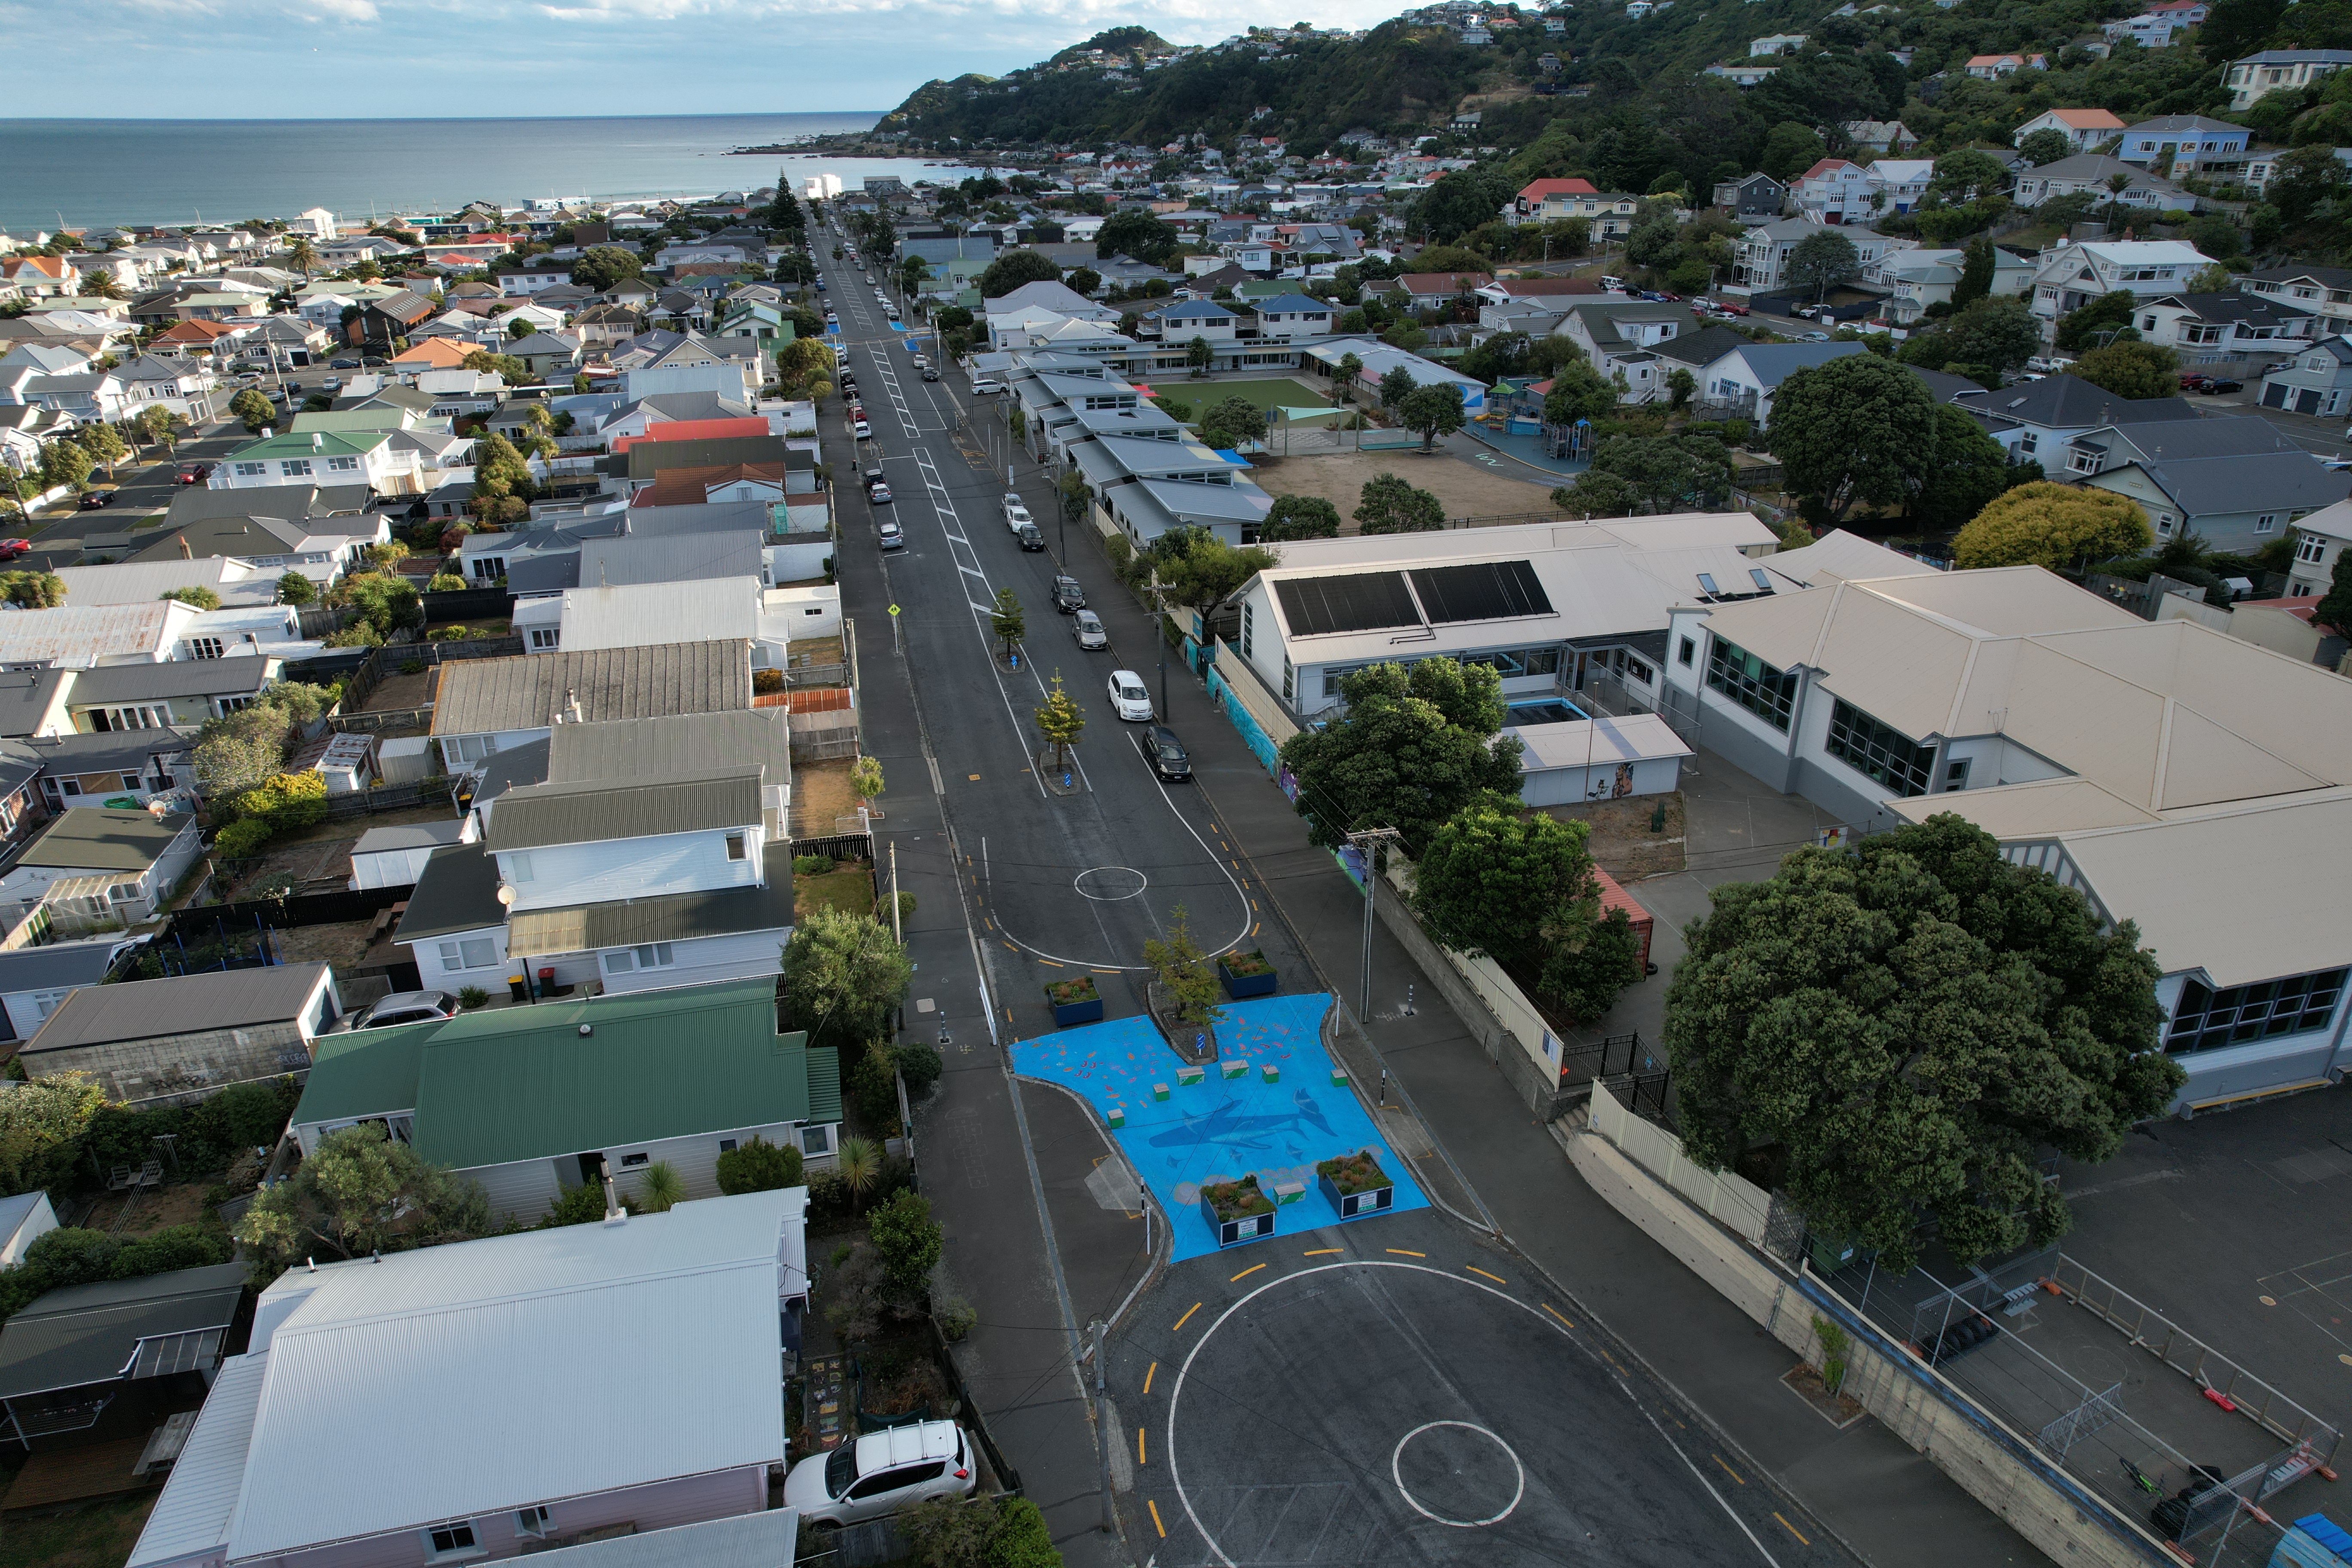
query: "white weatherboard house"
2127, 757
666, 1428
2071, 274
653, 855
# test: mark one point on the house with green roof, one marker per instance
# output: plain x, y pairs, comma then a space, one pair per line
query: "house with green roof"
324, 458
530, 1100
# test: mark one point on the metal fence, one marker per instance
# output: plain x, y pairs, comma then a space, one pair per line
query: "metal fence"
377, 720
390, 797
1611, 1055
220, 922
836, 846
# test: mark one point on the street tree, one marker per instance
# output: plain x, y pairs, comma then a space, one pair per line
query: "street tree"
252, 409
1430, 411
1821, 261
2131, 370
1006, 620
65, 463
844, 973
1300, 517
1415, 748
155, 424
1060, 721
1858, 430
1907, 1027
1388, 504
360, 1193
1182, 971
1070, 490
2061, 527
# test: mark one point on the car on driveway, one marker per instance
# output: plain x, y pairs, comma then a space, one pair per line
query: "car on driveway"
1128, 697
986, 388
1166, 753
1068, 597
1088, 627
880, 1473
400, 1007
1031, 539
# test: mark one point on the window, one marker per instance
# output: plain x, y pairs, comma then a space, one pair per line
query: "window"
295, 468
736, 846
203, 648
1247, 628
2266, 523
1956, 775
1684, 654
542, 639
469, 748
2206, 1020
2164, 522
132, 781
252, 470
470, 953
1873, 749
2028, 440
449, 1539
343, 464
727, 1145
531, 1523
2309, 548
631, 1161
519, 864
650, 955
816, 1140
1767, 692
1635, 669
1290, 680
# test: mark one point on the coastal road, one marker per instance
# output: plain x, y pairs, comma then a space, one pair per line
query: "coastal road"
1061, 879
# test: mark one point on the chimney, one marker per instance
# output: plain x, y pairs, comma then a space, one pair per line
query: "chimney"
185, 554
614, 1213
571, 702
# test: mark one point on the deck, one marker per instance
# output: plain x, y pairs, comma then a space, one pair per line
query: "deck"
66, 1476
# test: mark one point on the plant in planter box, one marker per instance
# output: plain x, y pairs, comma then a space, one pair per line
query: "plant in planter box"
1076, 1001
1246, 974
1237, 1211
1355, 1184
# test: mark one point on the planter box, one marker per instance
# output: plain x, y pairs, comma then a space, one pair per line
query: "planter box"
1089, 1011
1189, 1078
1238, 986
1234, 1069
1364, 1200
1233, 1228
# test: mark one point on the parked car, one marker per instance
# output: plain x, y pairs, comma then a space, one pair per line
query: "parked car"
1088, 627
1166, 753
879, 1474
1128, 697
986, 388
343, 364
195, 473
2048, 365
930, 373
1031, 539
1812, 337
400, 1007
2193, 380
1732, 306
2216, 384
892, 537
1015, 512
332, 383
921, 362
1068, 597
11, 548
861, 430
878, 493
96, 498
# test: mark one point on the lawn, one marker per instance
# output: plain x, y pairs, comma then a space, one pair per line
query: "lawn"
98, 1536
848, 887
1285, 393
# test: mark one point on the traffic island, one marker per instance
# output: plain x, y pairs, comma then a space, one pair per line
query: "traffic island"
1196, 1044
1060, 777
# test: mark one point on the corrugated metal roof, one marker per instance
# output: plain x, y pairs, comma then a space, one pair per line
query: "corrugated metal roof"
90, 1333
91, 837
764, 1539
409, 836
673, 746
56, 965
676, 917
193, 1515
638, 615
234, 676
529, 691
580, 1326
593, 811
178, 1004
363, 1072
84, 634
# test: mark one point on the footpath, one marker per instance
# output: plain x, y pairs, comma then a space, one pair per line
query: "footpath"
1889, 1504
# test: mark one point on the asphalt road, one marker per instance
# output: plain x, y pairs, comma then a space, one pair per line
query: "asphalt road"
142, 486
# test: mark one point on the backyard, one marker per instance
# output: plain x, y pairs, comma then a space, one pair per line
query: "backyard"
1465, 488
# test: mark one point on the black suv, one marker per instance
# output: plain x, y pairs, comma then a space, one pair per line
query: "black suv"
1068, 597
1166, 754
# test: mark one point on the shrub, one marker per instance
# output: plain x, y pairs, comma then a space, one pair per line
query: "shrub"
1022, 1540
759, 1166
242, 840
446, 583
920, 1065
286, 801
907, 1237
874, 1089
583, 1205
956, 1318
1250, 963
472, 997
1065, 992
905, 908
812, 865
411, 667
767, 682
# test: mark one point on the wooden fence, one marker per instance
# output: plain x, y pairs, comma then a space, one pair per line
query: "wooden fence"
211, 923
469, 604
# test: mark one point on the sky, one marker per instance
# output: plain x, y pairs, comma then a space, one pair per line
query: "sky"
237, 59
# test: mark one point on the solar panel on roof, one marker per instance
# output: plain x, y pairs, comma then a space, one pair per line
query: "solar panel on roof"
1364, 602
1483, 591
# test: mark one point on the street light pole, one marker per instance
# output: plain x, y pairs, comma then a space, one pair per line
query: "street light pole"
1367, 844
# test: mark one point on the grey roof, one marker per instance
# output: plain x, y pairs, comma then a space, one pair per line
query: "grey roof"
1944, 388
457, 891
25, 696
2181, 440
763, 1540
409, 836
686, 405
2289, 273
2099, 166
532, 816
2252, 481
307, 502
523, 764
679, 916
2169, 124
672, 747
1775, 362
616, 563
237, 676
647, 458
178, 1005
2253, 309
528, 692
1706, 346
1189, 502
105, 750
57, 966
531, 575
93, 1333
94, 839
2057, 402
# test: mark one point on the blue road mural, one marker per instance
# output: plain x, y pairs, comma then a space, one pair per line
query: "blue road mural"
1222, 1128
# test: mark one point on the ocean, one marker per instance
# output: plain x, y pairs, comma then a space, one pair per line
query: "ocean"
87, 171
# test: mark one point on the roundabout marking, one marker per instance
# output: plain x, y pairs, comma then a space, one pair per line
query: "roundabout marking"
1114, 877
1396, 1473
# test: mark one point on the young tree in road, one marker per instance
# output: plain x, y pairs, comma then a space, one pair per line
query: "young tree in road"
1182, 970
1822, 261
842, 975
1430, 411
1415, 748
2131, 370
2057, 526
252, 408
1388, 504
1060, 721
1300, 517
1855, 430
1913, 1023
1006, 621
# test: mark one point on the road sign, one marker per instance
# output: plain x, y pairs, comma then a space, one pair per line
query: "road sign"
894, 609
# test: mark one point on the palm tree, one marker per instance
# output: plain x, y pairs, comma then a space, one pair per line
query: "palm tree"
660, 1186
101, 285
858, 1162
300, 253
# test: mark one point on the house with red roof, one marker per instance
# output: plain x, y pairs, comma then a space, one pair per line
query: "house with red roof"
1532, 196
694, 430
39, 277
1835, 189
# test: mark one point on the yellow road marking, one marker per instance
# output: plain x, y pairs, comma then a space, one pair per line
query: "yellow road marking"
973, 778
1012, 947
1246, 1272
1106, 972
1555, 1313
1791, 1528
1051, 963
1483, 1274
1322, 1252
1400, 1252
1187, 1317
1147, 1375
1008, 1015
1257, 928
1139, 1446
1726, 1469
1155, 1517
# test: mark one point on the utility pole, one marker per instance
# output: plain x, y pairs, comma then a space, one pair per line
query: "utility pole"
896, 934
1102, 1430
1159, 632
1367, 843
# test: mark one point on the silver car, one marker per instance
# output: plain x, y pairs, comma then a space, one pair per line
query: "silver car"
881, 1473
1088, 627
400, 1007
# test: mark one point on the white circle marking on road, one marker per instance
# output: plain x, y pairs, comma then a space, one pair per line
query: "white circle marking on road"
1078, 883
1396, 1473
